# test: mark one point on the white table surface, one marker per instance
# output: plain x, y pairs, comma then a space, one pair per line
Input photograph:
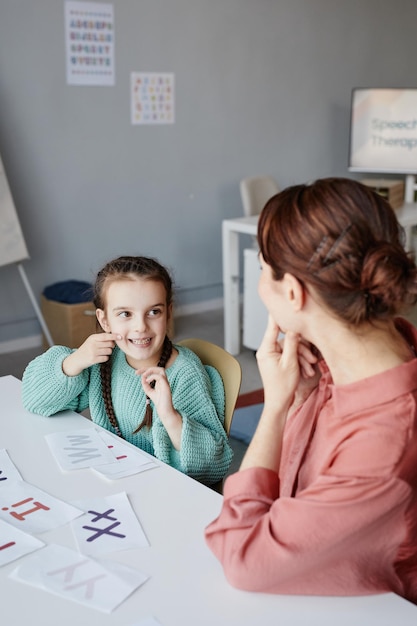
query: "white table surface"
231, 230
186, 586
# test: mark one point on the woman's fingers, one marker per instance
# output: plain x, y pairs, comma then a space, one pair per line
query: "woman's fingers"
269, 343
290, 355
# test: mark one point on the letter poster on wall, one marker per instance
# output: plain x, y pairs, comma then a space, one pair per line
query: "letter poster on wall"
89, 34
152, 98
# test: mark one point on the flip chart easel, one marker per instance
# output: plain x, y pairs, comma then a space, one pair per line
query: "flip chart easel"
12, 244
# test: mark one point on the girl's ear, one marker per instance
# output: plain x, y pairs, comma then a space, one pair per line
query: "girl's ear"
102, 320
295, 292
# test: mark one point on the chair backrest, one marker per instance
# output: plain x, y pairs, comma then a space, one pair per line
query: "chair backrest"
228, 368
255, 193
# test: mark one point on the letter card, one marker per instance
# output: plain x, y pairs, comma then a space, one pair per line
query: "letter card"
15, 543
76, 577
109, 524
32, 510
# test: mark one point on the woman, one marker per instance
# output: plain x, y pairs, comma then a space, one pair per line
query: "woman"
325, 501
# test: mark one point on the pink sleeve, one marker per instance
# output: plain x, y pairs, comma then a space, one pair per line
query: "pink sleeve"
338, 537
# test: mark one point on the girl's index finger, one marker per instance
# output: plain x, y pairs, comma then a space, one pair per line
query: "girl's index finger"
112, 336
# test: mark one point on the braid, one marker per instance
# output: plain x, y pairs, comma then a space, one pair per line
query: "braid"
105, 375
166, 352
165, 356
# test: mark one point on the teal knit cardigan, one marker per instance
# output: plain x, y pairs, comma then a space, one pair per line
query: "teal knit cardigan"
197, 394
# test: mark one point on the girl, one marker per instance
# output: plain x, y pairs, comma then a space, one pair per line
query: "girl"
325, 501
135, 382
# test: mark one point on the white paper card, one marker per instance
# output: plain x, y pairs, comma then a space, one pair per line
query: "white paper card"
127, 460
79, 448
32, 510
109, 524
76, 577
8, 470
15, 543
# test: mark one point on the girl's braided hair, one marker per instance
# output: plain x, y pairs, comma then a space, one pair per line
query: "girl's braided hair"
126, 268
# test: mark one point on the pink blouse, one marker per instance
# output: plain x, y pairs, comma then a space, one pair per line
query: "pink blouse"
341, 517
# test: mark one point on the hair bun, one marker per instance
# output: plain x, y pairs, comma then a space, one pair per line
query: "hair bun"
388, 279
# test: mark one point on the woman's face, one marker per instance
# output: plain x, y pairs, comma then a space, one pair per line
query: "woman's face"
273, 294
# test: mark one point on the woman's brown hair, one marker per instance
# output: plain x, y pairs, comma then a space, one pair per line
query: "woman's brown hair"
344, 240
128, 267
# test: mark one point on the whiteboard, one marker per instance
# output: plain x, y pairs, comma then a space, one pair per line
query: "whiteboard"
12, 243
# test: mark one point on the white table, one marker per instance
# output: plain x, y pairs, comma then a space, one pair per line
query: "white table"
186, 586
231, 230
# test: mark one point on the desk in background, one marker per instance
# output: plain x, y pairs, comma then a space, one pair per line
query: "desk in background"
186, 585
231, 230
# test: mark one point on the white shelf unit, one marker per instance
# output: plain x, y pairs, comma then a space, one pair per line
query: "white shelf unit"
255, 315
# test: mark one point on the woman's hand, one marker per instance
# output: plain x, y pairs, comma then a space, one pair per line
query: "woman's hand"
289, 362
279, 365
288, 369
308, 357
305, 386
96, 348
280, 370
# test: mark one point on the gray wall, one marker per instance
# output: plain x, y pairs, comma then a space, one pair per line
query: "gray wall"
262, 86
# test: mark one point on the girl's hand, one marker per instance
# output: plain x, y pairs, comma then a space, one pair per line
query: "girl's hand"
96, 348
156, 386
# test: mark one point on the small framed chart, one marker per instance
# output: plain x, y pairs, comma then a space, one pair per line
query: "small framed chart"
152, 98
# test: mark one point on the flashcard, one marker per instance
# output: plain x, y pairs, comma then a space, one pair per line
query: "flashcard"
8, 470
15, 543
79, 448
76, 577
109, 525
128, 460
32, 510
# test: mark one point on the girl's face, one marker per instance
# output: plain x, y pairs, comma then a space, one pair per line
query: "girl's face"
136, 309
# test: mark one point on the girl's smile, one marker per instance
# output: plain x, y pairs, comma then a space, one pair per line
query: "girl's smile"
141, 342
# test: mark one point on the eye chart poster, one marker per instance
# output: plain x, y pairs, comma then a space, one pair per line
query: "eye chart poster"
152, 98
89, 41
